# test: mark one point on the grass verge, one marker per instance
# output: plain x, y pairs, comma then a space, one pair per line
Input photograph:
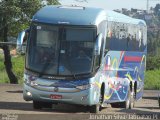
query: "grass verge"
152, 80
17, 66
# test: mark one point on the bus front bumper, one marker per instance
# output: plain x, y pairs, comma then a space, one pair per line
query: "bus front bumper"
84, 97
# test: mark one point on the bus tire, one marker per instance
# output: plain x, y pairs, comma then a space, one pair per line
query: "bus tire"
129, 103
115, 105
37, 105
95, 108
159, 100
47, 105
40, 105
133, 97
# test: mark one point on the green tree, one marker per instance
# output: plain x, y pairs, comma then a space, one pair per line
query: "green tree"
52, 2
15, 15
157, 9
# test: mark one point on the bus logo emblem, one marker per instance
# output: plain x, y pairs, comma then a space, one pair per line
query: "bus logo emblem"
56, 89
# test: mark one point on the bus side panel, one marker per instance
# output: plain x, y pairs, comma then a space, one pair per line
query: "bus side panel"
124, 64
117, 86
135, 61
124, 68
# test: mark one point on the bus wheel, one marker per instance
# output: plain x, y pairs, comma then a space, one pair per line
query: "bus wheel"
37, 105
115, 105
133, 97
159, 100
97, 108
129, 103
40, 105
47, 105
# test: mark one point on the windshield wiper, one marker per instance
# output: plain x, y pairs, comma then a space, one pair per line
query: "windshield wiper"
81, 74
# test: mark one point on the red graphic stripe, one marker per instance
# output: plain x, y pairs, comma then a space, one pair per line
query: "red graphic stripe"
121, 56
132, 59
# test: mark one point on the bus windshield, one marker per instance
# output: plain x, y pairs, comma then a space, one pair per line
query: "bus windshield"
55, 50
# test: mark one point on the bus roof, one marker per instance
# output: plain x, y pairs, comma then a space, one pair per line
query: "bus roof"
73, 15
78, 15
117, 17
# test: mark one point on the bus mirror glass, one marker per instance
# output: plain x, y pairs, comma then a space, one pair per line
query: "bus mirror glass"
21, 39
98, 45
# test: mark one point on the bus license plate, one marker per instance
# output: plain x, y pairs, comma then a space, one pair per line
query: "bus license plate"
56, 96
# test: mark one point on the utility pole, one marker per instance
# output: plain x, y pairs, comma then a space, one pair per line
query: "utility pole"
147, 6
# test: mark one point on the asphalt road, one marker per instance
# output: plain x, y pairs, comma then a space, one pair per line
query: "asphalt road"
12, 103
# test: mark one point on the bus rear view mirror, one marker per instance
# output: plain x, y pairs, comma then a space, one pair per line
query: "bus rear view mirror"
97, 49
22, 36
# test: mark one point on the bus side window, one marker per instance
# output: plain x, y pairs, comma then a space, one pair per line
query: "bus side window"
144, 39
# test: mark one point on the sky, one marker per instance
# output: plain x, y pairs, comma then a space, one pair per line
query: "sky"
113, 4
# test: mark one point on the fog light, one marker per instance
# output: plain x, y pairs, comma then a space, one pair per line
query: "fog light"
29, 94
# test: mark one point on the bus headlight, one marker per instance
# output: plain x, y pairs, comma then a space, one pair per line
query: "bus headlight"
84, 87
27, 81
31, 81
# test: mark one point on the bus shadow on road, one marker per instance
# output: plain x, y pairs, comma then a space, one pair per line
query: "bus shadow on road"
17, 91
59, 108
137, 111
15, 106
151, 98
